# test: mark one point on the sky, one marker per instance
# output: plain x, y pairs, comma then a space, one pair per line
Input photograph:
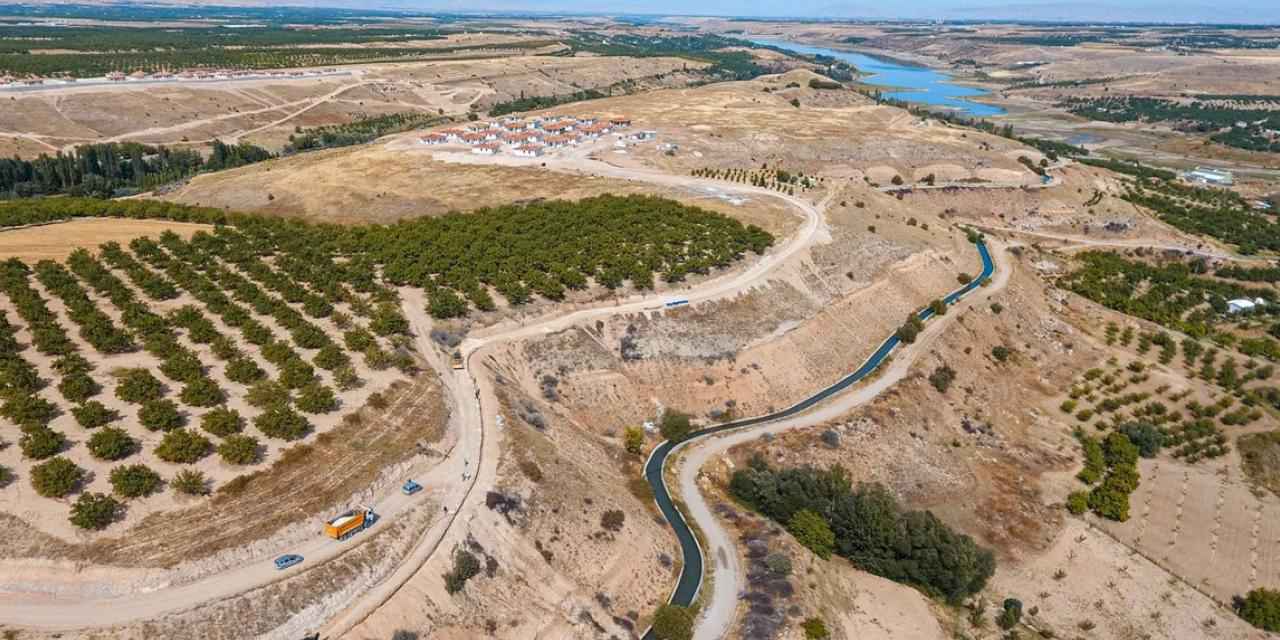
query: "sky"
1234, 11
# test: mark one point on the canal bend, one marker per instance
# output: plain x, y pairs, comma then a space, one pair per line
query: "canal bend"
690, 581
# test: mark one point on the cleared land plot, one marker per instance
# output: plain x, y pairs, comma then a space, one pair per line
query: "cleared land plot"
57, 240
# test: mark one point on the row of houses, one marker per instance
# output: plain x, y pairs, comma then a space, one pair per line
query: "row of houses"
193, 74
531, 137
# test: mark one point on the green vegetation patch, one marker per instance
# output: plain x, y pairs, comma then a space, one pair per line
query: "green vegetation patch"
1260, 456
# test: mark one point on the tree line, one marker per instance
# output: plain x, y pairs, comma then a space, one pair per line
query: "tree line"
828, 514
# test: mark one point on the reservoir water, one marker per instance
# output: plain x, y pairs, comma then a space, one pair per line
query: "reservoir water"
904, 82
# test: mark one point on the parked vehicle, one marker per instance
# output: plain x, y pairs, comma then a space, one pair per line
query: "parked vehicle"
455, 360
350, 523
288, 560
410, 487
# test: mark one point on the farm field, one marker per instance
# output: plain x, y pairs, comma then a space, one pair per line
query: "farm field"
56, 241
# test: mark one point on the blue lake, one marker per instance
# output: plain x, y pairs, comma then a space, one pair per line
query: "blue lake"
913, 84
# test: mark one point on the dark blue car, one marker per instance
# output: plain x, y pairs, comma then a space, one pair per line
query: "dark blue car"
286, 561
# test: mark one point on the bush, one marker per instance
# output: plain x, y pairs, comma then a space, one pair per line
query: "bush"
183, 446
222, 422
812, 531
779, 563
345, 378
815, 629
112, 443
6, 476
190, 482
39, 443
94, 414
330, 358
942, 377
78, 387
239, 449
316, 398
244, 371
633, 440
160, 415
282, 423
1000, 353
134, 481
95, 511
56, 477
202, 392
1078, 502
1146, 437
675, 425
28, 410
296, 373
1260, 608
938, 307
465, 567
612, 520
673, 622
267, 393
1010, 614
138, 386
910, 330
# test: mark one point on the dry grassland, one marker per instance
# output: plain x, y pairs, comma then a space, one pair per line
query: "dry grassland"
57, 240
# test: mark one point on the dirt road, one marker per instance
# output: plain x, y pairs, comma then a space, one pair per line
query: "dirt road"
720, 608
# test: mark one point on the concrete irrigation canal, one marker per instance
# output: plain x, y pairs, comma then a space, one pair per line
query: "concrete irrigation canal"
691, 572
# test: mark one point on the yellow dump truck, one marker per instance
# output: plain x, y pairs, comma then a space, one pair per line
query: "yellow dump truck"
350, 523
455, 360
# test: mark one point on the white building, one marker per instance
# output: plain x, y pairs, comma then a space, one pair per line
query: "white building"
1208, 175
528, 151
487, 149
1244, 305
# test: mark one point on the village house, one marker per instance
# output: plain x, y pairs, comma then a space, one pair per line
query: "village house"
594, 130
559, 142
486, 149
453, 135
434, 138
116, 76
619, 123
474, 137
586, 120
558, 127
528, 151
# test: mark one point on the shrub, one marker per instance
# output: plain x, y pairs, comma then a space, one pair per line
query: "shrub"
222, 422
330, 357
612, 520
239, 449
673, 622
996, 308
94, 414
1260, 608
190, 482
1078, 502
633, 440
112, 443
55, 478
41, 442
1011, 614
202, 392
908, 332
316, 398
183, 446
779, 563
267, 393
1000, 353
28, 410
964, 278
134, 481
281, 422
6, 476
938, 307
1146, 437
94, 511
815, 629
812, 531
78, 387
296, 373
160, 415
465, 567
345, 378
675, 425
942, 377
138, 386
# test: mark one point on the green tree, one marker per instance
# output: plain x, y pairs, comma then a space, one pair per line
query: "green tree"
633, 440
1078, 502
281, 422
95, 511
41, 442
465, 567
1010, 614
673, 622
316, 398
56, 477
28, 410
78, 387
239, 449
183, 446
675, 425
244, 370
160, 415
815, 628
1260, 608
138, 386
134, 480
94, 414
202, 392
1000, 353
812, 531
267, 393
112, 443
222, 422
939, 307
